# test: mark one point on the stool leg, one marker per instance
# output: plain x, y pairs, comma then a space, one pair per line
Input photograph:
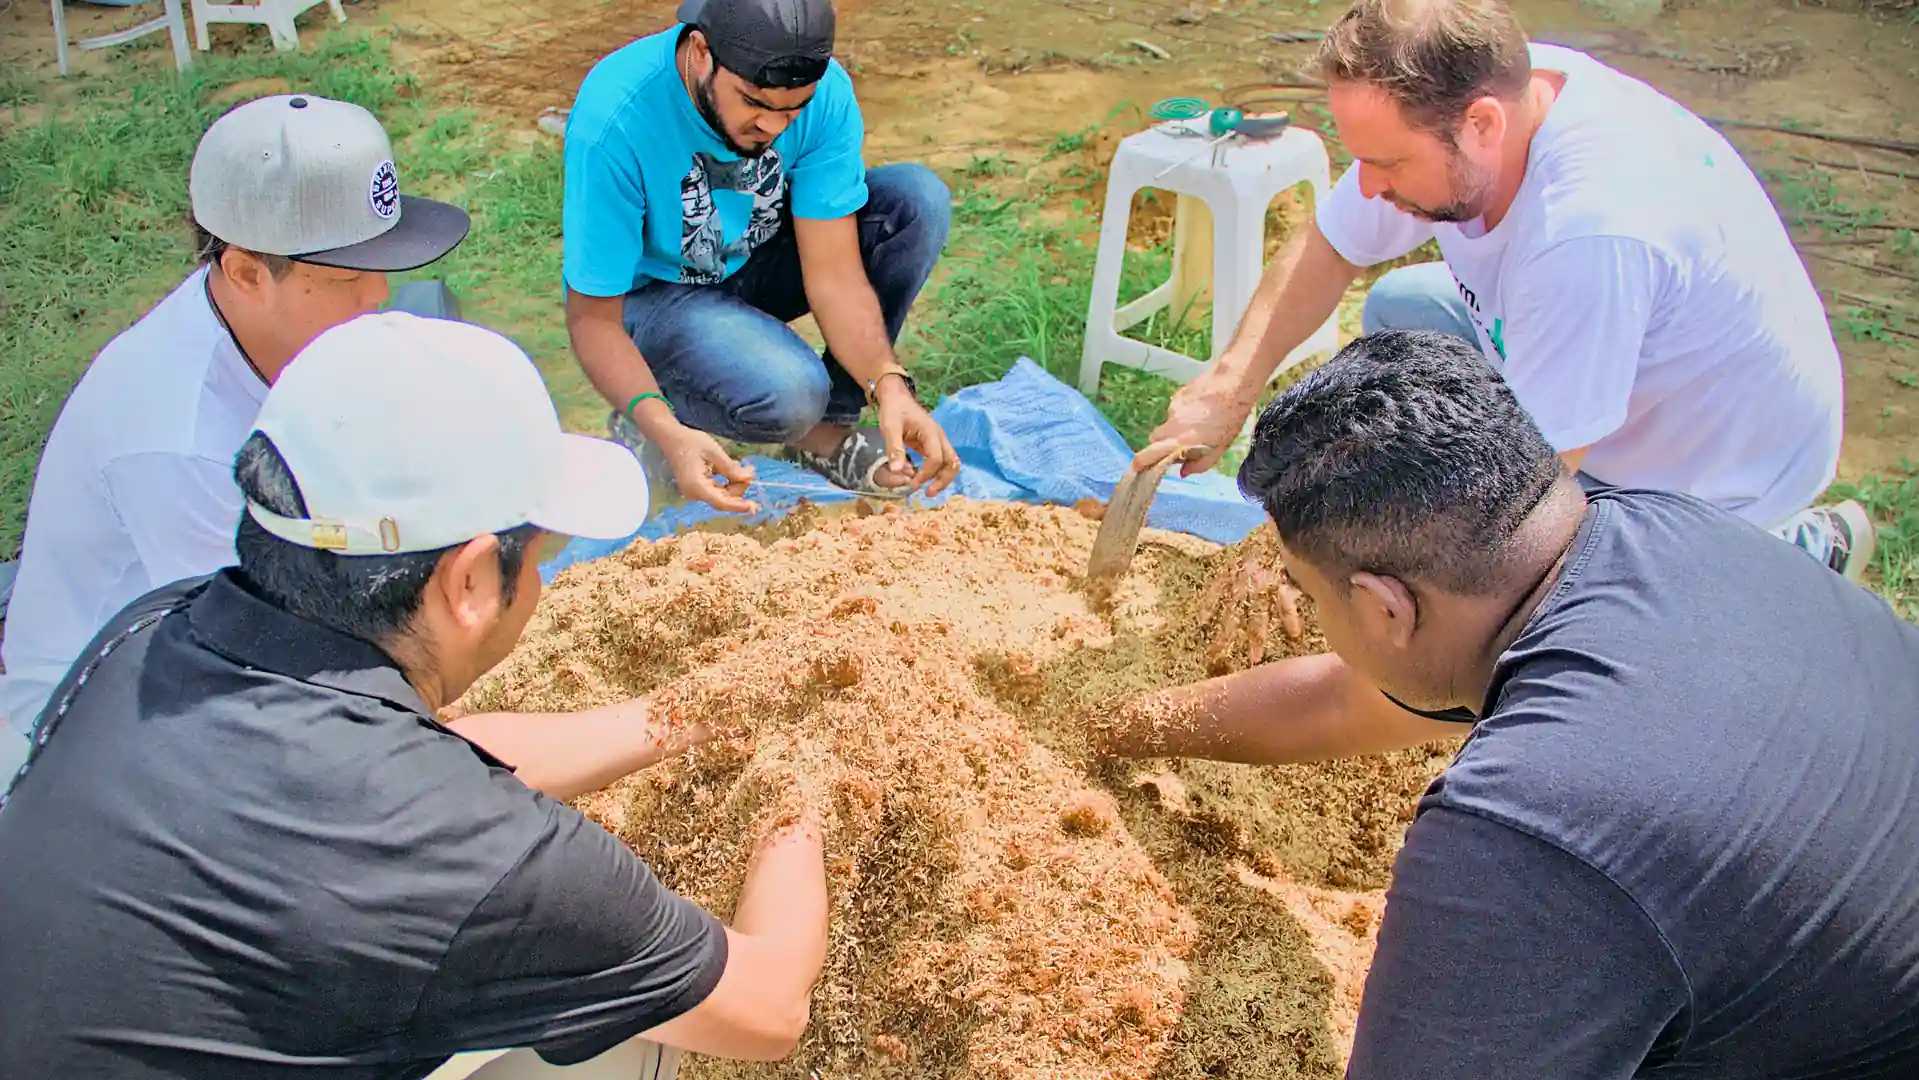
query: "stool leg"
177, 34
1192, 255
200, 23
1239, 255
60, 36
1101, 306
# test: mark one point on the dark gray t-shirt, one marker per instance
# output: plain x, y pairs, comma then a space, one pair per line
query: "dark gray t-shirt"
1684, 839
245, 851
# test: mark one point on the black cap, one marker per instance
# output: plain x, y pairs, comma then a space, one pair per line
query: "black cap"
771, 43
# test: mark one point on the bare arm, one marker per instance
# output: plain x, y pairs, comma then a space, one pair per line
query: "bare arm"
1309, 708
775, 949
1296, 294
567, 755
616, 369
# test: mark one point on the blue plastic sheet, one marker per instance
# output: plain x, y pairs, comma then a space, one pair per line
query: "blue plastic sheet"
1025, 438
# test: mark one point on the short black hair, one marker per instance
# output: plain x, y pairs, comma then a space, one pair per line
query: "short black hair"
1405, 455
207, 249
371, 597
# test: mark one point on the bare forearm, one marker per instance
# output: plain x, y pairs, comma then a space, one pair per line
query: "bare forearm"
848, 313
1309, 708
611, 361
567, 755
1295, 295
784, 904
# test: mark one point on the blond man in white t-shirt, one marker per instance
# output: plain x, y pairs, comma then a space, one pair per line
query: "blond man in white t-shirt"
1607, 250
298, 219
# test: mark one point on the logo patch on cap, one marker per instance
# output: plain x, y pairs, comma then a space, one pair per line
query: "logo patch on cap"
384, 193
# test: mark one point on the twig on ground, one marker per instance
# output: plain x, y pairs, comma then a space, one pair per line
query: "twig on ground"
1868, 267
1148, 47
1903, 174
1877, 142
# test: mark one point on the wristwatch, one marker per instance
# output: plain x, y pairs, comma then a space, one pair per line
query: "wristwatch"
873, 384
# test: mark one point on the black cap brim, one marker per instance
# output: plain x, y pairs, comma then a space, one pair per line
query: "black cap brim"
427, 230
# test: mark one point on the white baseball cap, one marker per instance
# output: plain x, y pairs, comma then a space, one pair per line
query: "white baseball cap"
411, 434
313, 179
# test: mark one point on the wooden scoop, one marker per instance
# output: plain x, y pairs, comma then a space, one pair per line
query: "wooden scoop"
1118, 537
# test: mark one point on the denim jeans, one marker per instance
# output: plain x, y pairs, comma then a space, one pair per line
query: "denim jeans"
1425, 297
1419, 297
725, 357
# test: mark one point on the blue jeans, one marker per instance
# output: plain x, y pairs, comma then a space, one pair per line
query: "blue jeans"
725, 357
1419, 297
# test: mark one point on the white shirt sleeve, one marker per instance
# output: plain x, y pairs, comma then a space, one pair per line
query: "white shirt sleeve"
1367, 231
180, 512
1576, 319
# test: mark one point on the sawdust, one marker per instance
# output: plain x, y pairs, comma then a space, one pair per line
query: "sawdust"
1005, 904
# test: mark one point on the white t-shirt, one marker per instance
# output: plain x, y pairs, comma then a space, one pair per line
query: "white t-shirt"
135, 488
1641, 298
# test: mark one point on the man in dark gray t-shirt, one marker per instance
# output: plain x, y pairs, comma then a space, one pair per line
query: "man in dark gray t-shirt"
245, 847
1682, 838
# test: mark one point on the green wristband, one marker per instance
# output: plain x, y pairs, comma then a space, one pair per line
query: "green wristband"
637, 398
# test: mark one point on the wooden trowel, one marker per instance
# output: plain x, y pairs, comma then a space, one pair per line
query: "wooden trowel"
1118, 537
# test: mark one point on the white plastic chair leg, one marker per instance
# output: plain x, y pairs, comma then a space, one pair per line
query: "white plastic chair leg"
339, 13
60, 36
201, 22
1103, 320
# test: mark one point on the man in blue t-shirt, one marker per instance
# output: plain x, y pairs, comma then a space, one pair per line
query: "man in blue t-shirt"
715, 192
1682, 837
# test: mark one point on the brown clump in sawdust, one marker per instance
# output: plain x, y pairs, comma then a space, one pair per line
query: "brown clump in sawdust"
1004, 903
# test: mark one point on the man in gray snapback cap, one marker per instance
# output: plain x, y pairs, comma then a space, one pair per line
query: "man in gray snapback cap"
715, 192
299, 216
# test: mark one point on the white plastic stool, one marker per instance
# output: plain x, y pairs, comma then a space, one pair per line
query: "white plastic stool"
276, 15
168, 20
1237, 191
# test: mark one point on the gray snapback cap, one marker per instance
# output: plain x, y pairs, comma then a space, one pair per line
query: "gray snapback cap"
313, 179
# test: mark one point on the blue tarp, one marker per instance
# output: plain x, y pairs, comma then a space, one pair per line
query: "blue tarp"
1026, 438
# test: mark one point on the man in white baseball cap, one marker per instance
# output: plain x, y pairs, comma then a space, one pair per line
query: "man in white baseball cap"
255, 850
298, 216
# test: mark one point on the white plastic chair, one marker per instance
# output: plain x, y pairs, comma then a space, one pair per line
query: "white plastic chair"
169, 20
634, 1059
276, 15
1237, 185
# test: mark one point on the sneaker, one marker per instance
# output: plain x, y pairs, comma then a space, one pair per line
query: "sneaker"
1849, 536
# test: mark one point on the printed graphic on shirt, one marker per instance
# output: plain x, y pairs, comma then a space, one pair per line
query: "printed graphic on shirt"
1496, 333
703, 257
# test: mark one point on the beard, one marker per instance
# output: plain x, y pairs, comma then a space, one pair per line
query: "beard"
1469, 189
704, 101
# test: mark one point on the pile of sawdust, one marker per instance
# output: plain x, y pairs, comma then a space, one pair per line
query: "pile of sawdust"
1004, 904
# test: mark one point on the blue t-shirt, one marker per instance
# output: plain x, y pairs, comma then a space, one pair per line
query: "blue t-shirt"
1684, 838
653, 194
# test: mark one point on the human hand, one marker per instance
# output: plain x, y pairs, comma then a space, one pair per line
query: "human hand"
1205, 413
904, 424
1239, 604
695, 457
